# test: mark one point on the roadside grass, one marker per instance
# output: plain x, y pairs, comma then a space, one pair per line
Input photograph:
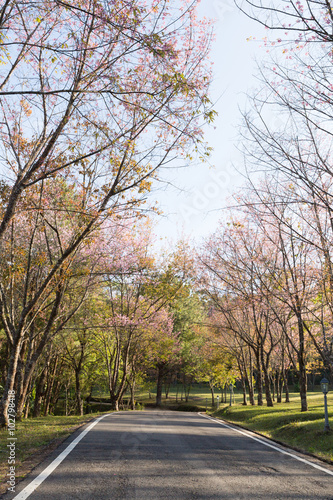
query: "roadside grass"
286, 424
35, 439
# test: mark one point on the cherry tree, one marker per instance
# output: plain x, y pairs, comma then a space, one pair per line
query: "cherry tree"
102, 92
98, 96
36, 305
136, 291
237, 278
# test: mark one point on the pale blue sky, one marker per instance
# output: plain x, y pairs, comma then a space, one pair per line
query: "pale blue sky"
190, 207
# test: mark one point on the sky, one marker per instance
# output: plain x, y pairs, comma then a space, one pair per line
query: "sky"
194, 196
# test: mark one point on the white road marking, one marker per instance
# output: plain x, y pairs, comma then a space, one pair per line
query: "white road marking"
53, 465
265, 443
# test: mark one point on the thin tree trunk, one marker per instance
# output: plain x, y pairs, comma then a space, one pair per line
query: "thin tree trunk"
268, 394
10, 382
243, 374
19, 384
269, 400
26, 408
285, 383
274, 386
50, 387
79, 402
250, 380
132, 389
302, 367
279, 386
39, 394
244, 391
160, 375
259, 379
167, 388
303, 387
212, 392
55, 396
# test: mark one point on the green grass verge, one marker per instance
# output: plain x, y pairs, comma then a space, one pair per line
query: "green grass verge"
287, 424
35, 439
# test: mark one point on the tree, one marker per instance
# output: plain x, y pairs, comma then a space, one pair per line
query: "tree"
33, 295
217, 366
236, 277
162, 348
98, 96
238, 351
189, 315
136, 289
298, 152
98, 113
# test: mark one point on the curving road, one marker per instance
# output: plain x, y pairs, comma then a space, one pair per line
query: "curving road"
163, 455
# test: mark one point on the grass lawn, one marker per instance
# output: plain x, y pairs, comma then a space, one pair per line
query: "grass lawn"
36, 438
287, 424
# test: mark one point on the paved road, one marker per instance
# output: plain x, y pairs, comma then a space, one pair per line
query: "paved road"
166, 455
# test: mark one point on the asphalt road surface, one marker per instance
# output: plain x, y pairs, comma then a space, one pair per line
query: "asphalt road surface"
164, 455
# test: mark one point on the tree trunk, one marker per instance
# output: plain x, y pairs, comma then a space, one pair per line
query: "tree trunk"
244, 391
66, 401
259, 379
273, 384
243, 375
269, 400
268, 394
27, 381
167, 389
132, 389
251, 395
55, 396
302, 367
39, 394
285, 383
278, 386
160, 375
187, 392
50, 387
79, 402
250, 381
114, 402
26, 408
19, 384
31, 363
187, 387
9, 386
303, 387
212, 392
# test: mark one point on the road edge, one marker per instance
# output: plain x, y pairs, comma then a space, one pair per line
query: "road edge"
284, 447
47, 452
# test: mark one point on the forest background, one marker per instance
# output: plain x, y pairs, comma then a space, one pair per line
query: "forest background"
97, 100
